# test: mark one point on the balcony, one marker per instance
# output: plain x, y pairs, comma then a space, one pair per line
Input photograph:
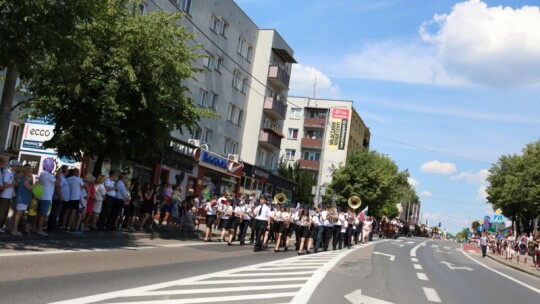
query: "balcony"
315, 122
270, 139
312, 143
275, 108
278, 77
309, 164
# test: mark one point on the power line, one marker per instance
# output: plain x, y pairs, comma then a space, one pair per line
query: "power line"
432, 150
454, 202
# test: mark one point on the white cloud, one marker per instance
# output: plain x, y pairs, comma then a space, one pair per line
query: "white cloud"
497, 46
426, 194
437, 167
413, 182
396, 61
303, 79
472, 178
482, 195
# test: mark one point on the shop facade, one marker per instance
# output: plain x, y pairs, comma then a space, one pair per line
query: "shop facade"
218, 175
259, 181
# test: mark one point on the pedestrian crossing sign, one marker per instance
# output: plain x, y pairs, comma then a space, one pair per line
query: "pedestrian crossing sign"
497, 219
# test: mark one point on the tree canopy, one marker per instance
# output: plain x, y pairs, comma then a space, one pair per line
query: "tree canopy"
122, 92
31, 31
373, 177
301, 177
515, 186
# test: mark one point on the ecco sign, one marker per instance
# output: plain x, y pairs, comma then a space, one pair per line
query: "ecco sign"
40, 132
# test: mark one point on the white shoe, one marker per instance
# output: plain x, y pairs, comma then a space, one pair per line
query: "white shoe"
2, 230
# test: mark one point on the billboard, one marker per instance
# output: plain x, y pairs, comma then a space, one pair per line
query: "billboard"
33, 151
339, 123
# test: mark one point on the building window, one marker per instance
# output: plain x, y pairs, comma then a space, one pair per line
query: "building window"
218, 64
236, 80
186, 6
207, 138
13, 139
239, 119
296, 113
207, 61
231, 112
196, 134
215, 24
213, 100
272, 162
203, 97
231, 147
262, 157
224, 31
245, 84
293, 134
312, 156
241, 45
290, 154
249, 53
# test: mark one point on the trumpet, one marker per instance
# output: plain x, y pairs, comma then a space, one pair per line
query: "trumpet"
354, 202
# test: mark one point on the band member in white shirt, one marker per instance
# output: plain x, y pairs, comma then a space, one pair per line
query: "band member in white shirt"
279, 226
234, 220
288, 227
317, 230
262, 222
245, 218
226, 213
344, 225
211, 215
327, 229
336, 232
304, 224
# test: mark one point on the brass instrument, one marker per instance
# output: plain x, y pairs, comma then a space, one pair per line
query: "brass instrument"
280, 198
354, 202
332, 215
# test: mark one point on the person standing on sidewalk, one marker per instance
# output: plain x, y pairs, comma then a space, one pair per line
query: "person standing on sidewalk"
6, 197
483, 243
60, 199
48, 181
24, 197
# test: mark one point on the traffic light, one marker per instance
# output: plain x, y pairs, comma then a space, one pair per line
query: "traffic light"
439, 224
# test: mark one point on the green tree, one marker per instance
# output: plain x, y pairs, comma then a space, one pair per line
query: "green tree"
374, 178
462, 235
31, 31
302, 178
122, 93
515, 186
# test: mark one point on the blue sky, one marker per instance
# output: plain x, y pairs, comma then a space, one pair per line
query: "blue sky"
461, 78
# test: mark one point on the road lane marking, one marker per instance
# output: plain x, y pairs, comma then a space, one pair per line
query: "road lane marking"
356, 297
447, 247
413, 250
431, 295
414, 260
392, 257
410, 242
296, 285
422, 276
215, 299
434, 246
440, 251
418, 266
502, 274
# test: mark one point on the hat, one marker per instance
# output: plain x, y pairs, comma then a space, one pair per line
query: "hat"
15, 163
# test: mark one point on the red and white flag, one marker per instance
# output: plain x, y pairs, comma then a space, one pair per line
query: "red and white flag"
363, 215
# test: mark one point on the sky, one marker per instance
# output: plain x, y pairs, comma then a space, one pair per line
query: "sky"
446, 87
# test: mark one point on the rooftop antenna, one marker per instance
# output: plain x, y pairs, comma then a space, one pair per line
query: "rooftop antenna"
314, 87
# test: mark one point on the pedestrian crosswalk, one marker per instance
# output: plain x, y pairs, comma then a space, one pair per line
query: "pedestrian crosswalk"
290, 280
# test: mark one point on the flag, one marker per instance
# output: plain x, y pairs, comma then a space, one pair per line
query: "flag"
363, 215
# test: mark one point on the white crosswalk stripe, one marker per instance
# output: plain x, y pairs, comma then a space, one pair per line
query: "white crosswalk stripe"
291, 280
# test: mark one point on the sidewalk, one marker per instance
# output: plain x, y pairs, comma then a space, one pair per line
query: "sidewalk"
528, 267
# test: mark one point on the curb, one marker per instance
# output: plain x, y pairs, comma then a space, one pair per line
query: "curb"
535, 273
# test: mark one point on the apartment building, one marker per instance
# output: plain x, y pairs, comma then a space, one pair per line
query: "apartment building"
321, 133
247, 70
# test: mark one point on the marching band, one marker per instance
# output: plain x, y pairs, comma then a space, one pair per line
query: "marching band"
314, 229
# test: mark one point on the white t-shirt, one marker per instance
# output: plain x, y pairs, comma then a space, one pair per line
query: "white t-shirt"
264, 213
8, 178
100, 192
110, 183
48, 182
75, 184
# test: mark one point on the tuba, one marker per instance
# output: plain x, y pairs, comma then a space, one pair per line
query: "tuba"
332, 215
354, 202
280, 198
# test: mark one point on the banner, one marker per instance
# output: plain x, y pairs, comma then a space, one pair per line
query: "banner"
339, 123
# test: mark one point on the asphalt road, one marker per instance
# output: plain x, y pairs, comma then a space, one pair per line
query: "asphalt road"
168, 271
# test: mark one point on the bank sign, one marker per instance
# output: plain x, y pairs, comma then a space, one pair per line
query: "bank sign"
219, 163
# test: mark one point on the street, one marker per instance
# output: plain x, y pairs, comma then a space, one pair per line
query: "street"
168, 271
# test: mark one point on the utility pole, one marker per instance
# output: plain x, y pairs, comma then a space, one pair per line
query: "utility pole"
314, 87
